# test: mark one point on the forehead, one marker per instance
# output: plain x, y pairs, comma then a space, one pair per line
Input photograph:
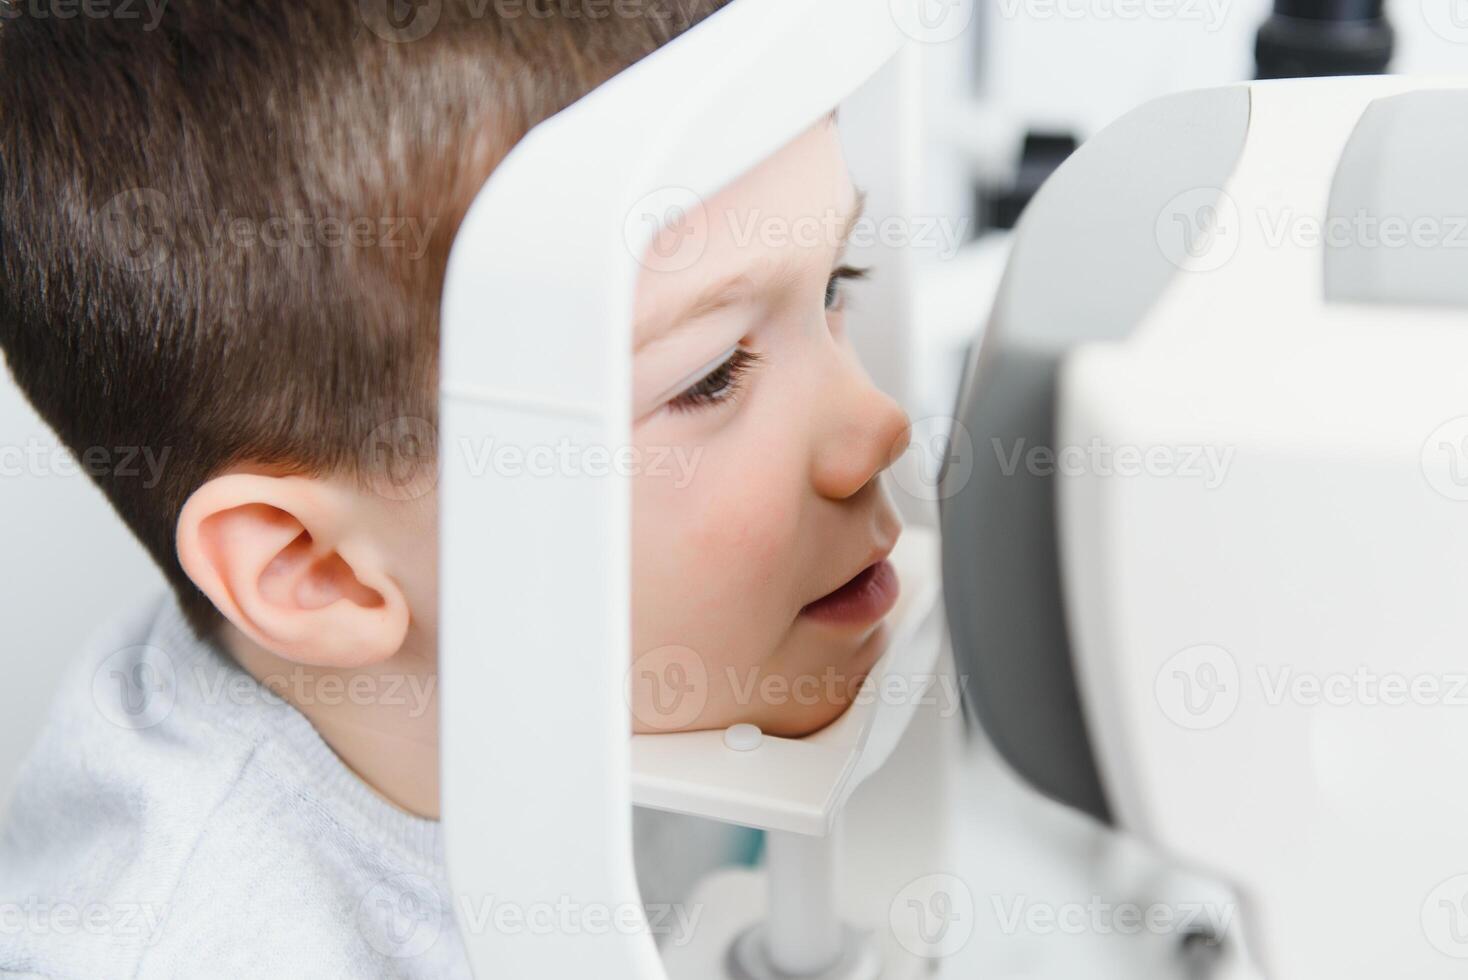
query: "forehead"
775, 226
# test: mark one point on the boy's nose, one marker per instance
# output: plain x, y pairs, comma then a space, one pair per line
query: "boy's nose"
861, 431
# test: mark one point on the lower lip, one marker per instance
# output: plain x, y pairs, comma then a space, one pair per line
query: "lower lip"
865, 599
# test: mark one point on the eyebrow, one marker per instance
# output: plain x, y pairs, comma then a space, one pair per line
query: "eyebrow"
734, 289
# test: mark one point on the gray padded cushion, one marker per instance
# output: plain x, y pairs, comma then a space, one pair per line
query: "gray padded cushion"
1087, 265
1406, 162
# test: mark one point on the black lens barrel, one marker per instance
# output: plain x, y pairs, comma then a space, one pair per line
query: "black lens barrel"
1309, 38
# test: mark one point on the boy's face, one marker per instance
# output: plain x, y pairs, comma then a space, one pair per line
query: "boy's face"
767, 494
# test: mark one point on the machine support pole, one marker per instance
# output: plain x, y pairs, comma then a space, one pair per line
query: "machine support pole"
803, 933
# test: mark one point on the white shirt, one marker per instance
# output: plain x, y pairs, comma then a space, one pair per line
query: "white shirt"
178, 819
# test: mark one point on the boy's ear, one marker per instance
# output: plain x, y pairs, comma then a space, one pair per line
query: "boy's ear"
294, 563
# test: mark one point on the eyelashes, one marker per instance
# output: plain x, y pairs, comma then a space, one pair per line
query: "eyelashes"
720, 385
727, 381
835, 295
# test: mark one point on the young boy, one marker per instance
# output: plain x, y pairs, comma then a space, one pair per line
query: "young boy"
224, 233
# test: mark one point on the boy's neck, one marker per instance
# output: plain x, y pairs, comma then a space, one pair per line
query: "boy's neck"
381, 720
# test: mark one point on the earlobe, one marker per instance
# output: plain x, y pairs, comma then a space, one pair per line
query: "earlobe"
291, 562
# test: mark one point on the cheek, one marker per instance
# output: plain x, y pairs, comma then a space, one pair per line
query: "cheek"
713, 554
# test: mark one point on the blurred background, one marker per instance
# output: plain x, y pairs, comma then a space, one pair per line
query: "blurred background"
1010, 88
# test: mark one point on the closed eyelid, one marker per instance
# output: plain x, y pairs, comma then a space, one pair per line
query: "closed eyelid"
688, 380
694, 377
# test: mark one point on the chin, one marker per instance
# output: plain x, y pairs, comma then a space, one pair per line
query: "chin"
796, 721
806, 720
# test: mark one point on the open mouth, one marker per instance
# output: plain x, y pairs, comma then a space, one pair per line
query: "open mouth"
867, 597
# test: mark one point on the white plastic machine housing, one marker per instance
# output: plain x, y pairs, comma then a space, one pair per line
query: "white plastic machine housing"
535, 592
1270, 647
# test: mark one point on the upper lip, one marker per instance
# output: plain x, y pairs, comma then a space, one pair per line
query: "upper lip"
876, 555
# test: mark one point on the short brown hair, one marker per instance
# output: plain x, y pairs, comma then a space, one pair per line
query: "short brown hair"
196, 214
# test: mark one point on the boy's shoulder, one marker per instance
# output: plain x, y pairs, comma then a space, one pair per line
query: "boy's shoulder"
174, 815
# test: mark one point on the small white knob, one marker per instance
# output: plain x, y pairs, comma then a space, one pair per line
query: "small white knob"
743, 737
